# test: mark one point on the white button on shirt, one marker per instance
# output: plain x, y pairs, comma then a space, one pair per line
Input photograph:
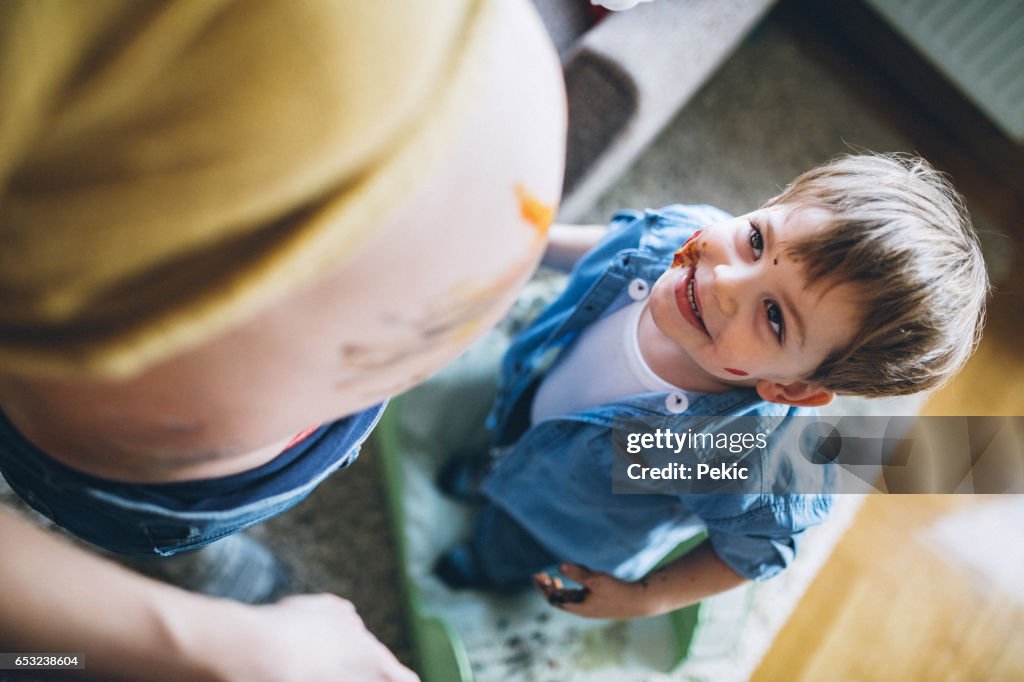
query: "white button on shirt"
677, 402
639, 289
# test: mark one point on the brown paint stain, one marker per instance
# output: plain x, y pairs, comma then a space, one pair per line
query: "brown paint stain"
689, 253
535, 211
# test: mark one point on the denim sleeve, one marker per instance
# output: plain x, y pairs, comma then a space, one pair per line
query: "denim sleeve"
623, 218
762, 541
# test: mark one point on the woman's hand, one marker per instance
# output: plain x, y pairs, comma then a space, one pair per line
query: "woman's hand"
305, 638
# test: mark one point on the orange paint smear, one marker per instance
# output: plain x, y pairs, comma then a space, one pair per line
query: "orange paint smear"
535, 211
688, 254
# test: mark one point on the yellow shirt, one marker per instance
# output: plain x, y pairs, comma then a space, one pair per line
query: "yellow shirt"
169, 169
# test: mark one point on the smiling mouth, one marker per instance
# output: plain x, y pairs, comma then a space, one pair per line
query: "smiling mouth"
686, 300
692, 298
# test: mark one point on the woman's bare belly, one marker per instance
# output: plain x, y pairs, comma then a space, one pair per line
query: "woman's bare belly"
144, 453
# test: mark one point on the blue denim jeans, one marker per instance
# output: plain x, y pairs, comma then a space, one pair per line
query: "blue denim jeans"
167, 518
506, 554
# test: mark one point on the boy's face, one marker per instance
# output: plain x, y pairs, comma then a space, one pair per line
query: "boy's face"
744, 313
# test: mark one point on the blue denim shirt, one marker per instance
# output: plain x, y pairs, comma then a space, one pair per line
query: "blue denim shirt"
555, 479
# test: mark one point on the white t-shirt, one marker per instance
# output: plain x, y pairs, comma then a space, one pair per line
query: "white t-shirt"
605, 365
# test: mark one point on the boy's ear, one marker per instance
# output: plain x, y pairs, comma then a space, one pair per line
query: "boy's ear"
796, 393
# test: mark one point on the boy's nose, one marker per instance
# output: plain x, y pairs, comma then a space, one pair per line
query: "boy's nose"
727, 281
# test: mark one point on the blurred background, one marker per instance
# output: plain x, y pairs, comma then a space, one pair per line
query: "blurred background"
724, 102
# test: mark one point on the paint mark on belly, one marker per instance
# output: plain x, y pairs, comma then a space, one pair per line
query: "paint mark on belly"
535, 211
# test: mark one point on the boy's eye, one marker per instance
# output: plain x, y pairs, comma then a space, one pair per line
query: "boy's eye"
756, 241
774, 313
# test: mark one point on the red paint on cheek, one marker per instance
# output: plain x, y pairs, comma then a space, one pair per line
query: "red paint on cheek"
737, 372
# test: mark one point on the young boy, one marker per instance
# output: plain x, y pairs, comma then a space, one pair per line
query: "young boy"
863, 277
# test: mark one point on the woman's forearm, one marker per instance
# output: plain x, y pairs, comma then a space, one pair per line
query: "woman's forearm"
57, 598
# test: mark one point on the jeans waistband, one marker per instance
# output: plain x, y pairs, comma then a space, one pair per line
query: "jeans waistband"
198, 511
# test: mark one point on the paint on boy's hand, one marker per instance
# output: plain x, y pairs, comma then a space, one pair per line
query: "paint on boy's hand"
556, 592
535, 211
689, 253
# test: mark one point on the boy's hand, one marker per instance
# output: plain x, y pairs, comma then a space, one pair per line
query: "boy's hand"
602, 595
690, 578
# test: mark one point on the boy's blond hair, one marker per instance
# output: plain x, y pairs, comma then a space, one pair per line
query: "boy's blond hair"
901, 235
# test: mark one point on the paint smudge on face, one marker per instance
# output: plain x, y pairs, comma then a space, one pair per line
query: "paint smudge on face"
534, 211
688, 254
737, 372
